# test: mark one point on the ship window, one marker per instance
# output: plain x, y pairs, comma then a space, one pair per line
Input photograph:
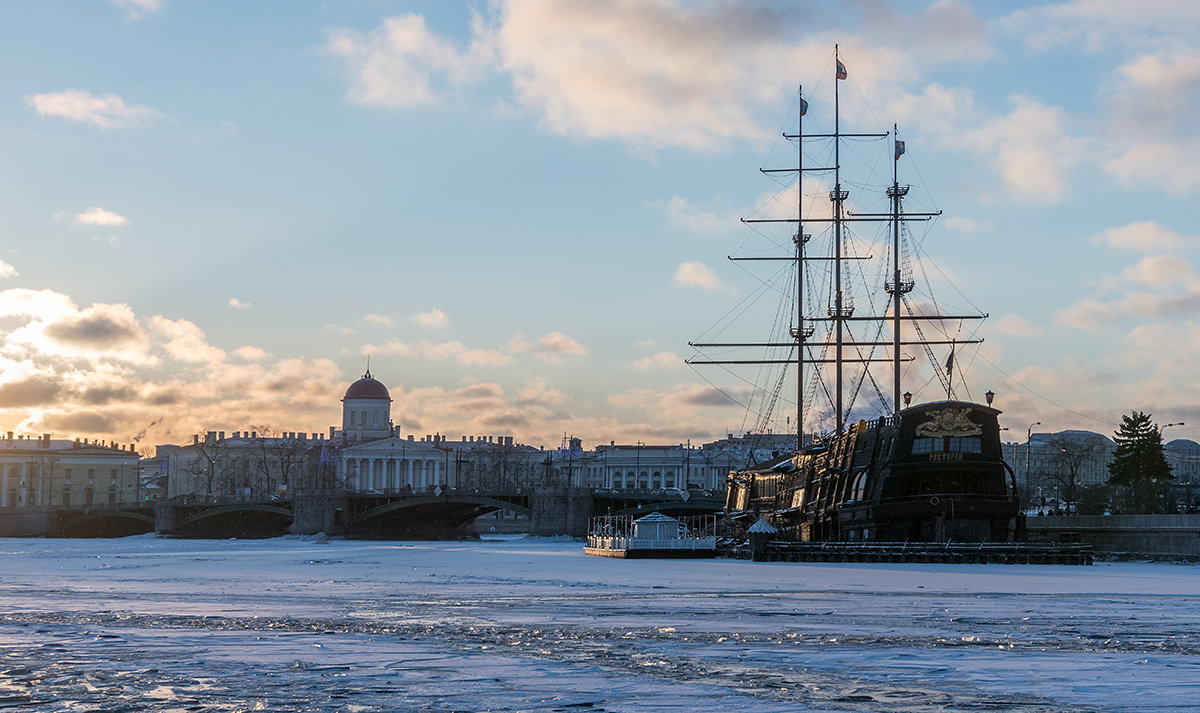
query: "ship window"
966, 445
924, 445
859, 482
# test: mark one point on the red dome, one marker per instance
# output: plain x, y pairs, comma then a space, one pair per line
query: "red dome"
367, 388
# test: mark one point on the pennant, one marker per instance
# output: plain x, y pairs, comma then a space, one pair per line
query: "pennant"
950, 361
803, 106
899, 148
841, 70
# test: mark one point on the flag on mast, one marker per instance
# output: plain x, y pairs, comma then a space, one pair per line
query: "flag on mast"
803, 106
841, 70
950, 360
899, 148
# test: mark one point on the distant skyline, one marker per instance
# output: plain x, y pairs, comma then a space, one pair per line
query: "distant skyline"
212, 213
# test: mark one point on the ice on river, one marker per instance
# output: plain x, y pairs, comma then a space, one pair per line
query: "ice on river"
297, 624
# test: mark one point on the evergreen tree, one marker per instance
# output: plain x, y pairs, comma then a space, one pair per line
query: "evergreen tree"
1138, 463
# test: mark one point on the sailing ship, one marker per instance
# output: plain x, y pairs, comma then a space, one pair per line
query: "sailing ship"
927, 472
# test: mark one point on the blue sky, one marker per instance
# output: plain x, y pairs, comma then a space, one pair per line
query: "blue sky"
211, 213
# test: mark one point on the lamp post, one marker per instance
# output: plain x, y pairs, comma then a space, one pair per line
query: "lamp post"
1028, 439
1156, 493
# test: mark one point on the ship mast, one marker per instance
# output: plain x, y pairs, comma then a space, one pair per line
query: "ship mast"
898, 287
841, 311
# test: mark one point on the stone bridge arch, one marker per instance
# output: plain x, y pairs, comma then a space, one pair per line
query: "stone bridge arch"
432, 516
236, 520
107, 523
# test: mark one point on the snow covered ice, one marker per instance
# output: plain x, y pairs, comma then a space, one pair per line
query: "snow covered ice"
298, 624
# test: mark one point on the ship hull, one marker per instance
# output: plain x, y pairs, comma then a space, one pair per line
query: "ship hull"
935, 473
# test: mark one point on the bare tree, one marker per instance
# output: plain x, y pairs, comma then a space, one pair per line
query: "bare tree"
209, 456
281, 453
1070, 457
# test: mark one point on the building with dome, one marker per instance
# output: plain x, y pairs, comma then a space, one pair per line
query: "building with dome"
367, 411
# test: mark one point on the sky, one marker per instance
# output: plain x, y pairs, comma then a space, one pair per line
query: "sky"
212, 214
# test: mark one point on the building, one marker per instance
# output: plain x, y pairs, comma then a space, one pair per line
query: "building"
52, 472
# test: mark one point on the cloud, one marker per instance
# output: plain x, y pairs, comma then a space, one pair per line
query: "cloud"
1146, 236
99, 327
439, 351
966, 225
107, 111
40, 390
103, 370
136, 9
235, 303
696, 221
1029, 149
556, 344
552, 347
381, 320
695, 274
7, 271
433, 319
251, 353
661, 360
402, 63
1015, 326
101, 217
184, 341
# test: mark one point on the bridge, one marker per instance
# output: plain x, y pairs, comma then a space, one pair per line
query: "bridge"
436, 513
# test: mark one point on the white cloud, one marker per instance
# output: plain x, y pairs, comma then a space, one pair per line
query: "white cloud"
235, 303
1029, 148
439, 351
101, 217
251, 353
382, 320
7, 271
697, 221
1014, 325
556, 345
107, 111
967, 225
135, 9
695, 274
401, 63
433, 319
661, 360
184, 341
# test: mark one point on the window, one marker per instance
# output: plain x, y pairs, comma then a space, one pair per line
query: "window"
113, 491
351, 418
112, 474
89, 496
67, 473
91, 473
971, 444
924, 445
66, 496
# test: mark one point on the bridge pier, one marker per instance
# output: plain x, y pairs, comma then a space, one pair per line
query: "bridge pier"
560, 511
29, 521
166, 516
320, 511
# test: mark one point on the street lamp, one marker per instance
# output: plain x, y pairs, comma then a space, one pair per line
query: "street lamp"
1028, 438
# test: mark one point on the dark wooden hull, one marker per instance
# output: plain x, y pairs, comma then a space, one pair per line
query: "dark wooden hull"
934, 474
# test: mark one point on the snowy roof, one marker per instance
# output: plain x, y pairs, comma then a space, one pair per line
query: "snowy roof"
762, 526
656, 517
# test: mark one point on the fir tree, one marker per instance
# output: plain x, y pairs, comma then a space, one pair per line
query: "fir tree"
1138, 463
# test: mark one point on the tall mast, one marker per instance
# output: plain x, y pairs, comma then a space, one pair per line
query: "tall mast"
837, 196
841, 311
898, 287
800, 334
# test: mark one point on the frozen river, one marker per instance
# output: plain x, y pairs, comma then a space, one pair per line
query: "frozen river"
299, 625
